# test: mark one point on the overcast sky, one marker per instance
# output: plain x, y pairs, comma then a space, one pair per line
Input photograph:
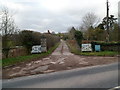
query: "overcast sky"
55, 15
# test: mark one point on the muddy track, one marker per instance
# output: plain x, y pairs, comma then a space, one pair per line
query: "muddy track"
60, 59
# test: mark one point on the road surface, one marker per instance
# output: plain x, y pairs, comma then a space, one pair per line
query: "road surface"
102, 76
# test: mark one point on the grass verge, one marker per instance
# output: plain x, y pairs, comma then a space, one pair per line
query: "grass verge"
12, 61
102, 53
74, 50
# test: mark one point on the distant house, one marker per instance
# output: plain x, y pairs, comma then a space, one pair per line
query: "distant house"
48, 32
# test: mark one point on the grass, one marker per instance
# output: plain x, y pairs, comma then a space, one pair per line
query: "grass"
102, 53
74, 50
16, 60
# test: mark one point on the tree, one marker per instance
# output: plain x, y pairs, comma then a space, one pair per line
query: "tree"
7, 27
72, 33
51, 40
115, 33
78, 36
108, 23
95, 33
65, 36
101, 26
27, 39
99, 34
89, 20
30, 38
89, 34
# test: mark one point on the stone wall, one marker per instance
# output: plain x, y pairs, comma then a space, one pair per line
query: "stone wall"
15, 52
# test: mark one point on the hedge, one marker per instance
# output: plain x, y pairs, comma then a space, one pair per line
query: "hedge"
107, 46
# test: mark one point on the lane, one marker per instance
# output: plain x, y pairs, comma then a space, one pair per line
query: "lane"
60, 59
105, 76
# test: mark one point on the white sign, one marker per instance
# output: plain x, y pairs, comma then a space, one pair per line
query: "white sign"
86, 47
36, 49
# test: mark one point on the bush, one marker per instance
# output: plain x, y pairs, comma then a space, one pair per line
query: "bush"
78, 37
51, 40
107, 46
73, 49
30, 38
27, 39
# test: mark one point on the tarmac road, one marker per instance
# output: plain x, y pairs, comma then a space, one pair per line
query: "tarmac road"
101, 76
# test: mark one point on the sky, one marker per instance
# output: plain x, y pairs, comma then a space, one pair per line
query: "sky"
55, 15
119, 13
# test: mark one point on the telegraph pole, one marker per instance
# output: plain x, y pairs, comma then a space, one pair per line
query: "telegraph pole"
107, 23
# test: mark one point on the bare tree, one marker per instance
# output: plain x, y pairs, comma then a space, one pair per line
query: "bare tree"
7, 27
90, 20
72, 33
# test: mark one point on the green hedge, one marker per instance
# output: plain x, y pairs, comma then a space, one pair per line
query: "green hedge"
107, 46
16, 60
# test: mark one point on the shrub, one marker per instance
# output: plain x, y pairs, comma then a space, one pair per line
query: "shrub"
78, 36
107, 46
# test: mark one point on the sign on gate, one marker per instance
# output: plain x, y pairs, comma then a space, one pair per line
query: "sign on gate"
86, 47
36, 49
97, 48
40, 48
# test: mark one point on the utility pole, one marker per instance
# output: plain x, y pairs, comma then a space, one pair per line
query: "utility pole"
107, 23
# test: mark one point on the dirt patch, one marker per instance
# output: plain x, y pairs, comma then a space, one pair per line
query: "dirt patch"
60, 59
